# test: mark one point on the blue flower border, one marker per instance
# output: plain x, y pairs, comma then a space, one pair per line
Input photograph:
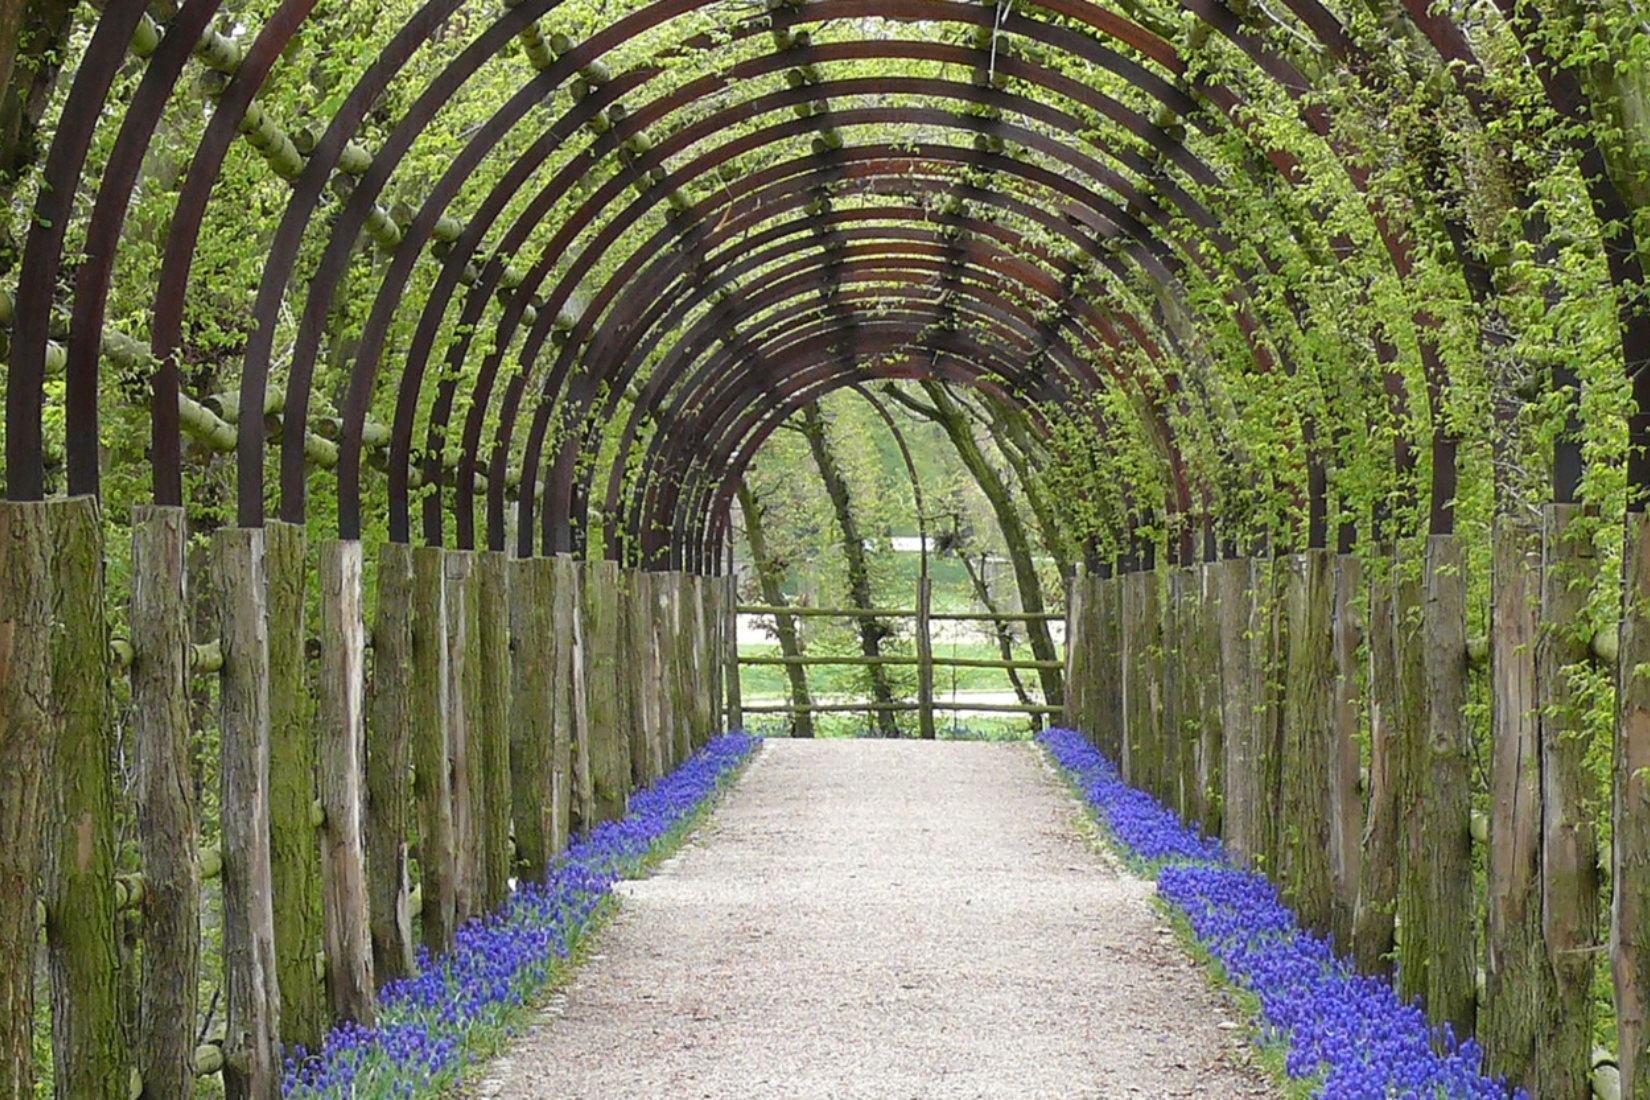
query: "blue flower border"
500, 964
1348, 1029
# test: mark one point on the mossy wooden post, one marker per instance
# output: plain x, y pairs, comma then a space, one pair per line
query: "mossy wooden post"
704, 723
164, 796
667, 593
1518, 979
463, 715
1304, 863
1239, 706
494, 727
532, 705
730, 653
1078, 642
295, 854
573, 706
1107, 624
1271, 658
340, 730
716, 620
252, 1062
1408, 761
925, 659
609, 744
1346, 810
1142, 683
1189, 624
388, 763
644, 648
1569, 837
1372, 921
1436, 958
1164, 780
1211, 722
88, 1046
25, 752
1630, 904
632, 677
432, 777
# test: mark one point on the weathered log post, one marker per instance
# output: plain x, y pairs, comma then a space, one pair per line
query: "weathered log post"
1569, 838
493, 729
634, 644
463, 736
925, 658
88, 1046
341, 751
164, 796
681, 689
1271, 642
1518, 982
667, 597
644, 642
25, 753
716, 620
1436, 959
252, 1063
1304, 860
1373, 942
730, 654
1192, 660
700, 617
1630, 902
1171, 670
609, 744
432, 778
295, 855
532, 718
1106, 622
572, 713
1079, 661
1211, 722
1346, 811
1142, 685
388, 763
1239, 707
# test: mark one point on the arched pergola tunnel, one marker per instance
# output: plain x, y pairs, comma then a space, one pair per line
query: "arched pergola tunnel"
464, 320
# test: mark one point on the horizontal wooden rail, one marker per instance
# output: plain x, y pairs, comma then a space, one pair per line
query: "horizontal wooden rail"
826, 708
903, 613
937, 662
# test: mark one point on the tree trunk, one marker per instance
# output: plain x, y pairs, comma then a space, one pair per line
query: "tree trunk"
769, 574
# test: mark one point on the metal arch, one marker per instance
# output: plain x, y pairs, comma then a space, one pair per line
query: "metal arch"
92, 280
42, 260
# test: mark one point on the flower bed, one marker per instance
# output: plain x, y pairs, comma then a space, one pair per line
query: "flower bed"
1345, 1028
431, 1026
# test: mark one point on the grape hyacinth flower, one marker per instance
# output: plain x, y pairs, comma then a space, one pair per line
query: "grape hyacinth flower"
502, 962
1347, 1029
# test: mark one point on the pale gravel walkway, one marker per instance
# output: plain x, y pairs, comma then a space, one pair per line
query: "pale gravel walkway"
886, 919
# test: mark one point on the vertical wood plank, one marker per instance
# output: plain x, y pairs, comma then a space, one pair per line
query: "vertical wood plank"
1408, 763
463, 736
25, 753
341, 752
1212, 729
88, 1046
494, 728
295, 853
573, 708
1630, 901
1106, 624
609, 744
252, 1065
532, 732
925, 659
164, 794
736, 707
1346, 811
1078, 689
432, 778
1569, 835
1373, 942
634, 644
1518, 981
1240, 702
388, 764
1304, 852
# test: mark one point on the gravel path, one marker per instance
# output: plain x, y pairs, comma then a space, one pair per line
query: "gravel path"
887, 919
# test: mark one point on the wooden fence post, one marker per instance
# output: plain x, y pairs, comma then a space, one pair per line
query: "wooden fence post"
1170, 681
388, 764
432, 780
573, 706
1518, 980
736, 701
925, 659
644, 635
1436, 958
1211, 722
295, 854
1304, 863
88, 1046
341, 736
493, 729
1190, 661
1107, 623
673, 659
252, 1063
1271, 645
634, 644
1569, 839
1630, 902
1078, 661
532, 719
1239, 707
165, 803
609, 744
715, 620
1373, 940
463, 716
1346, 811
1142, 648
